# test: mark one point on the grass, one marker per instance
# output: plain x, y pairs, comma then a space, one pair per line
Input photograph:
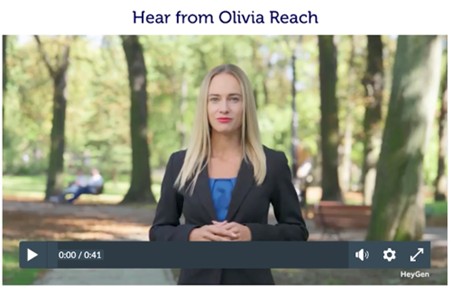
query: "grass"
432, 208
12, 273
439, 208
355, 277
23, 183
33, 187
347, 277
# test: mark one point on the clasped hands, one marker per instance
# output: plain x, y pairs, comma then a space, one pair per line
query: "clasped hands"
221, 231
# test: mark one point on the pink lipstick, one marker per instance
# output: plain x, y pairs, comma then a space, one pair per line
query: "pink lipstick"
224, 119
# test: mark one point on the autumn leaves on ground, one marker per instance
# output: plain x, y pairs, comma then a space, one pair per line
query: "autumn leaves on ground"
36, 220
88, 220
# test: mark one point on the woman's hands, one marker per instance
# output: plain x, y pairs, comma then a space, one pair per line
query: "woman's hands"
242, 232
221, 231
211, 233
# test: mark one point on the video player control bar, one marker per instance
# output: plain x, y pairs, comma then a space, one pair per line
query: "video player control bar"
327, 254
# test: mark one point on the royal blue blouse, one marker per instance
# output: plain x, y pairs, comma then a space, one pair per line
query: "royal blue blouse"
221, 193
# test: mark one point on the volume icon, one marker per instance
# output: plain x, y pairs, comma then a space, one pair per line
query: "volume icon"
362, 254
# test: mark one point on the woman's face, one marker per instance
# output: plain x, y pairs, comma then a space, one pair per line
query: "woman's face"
225, 104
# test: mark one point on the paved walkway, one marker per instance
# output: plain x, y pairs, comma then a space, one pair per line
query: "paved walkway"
107, 277
437, 236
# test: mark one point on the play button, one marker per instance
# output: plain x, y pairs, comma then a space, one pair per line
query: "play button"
31, 254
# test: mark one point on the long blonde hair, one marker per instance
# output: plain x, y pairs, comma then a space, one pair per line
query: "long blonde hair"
198, 152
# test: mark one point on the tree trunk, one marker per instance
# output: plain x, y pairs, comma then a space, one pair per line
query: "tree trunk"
265, 89
58, 74
346, 162
373, 82
183, 108
398, 208
140, 186
255, 92
294, 117
55, 181
345, 150
329, 119
5, 76
441, 182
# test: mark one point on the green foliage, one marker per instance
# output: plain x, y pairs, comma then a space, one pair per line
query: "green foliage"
13, 274
439, 208
17, 184
98, 106
274, 125
23, 183
32, 186
430, 161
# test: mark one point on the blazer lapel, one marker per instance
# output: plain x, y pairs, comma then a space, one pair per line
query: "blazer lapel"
244, 182
202, 189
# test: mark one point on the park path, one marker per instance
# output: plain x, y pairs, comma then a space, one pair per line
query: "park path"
108, 276
137, 221
132, 225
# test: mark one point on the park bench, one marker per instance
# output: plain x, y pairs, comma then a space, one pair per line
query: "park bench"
61, 198
334, 217
99, 190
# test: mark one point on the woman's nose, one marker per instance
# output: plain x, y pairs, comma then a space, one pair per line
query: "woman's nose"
224, 107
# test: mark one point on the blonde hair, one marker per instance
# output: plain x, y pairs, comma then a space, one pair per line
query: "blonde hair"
198, 152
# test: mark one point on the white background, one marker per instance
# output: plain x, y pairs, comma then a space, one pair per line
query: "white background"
113, 17
116, 16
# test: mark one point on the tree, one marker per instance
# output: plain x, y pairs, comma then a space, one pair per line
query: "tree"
140, 186
329, 118
349, 100
293, 45
5, 75
398, 209
58, 73
440, 181
373, 82
262, 67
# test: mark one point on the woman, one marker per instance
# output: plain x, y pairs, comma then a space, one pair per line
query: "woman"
225, 181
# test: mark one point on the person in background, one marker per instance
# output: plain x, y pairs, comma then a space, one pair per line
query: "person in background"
303, 172
80, 180
82, 185
226, 180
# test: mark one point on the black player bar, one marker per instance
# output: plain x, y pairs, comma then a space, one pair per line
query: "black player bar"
324, 254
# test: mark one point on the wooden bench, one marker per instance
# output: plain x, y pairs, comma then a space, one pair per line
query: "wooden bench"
99, 190
333, 216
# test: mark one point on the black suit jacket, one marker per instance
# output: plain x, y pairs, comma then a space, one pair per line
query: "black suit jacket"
249, 206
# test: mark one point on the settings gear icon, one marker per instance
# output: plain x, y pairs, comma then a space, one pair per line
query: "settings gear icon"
389, 254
